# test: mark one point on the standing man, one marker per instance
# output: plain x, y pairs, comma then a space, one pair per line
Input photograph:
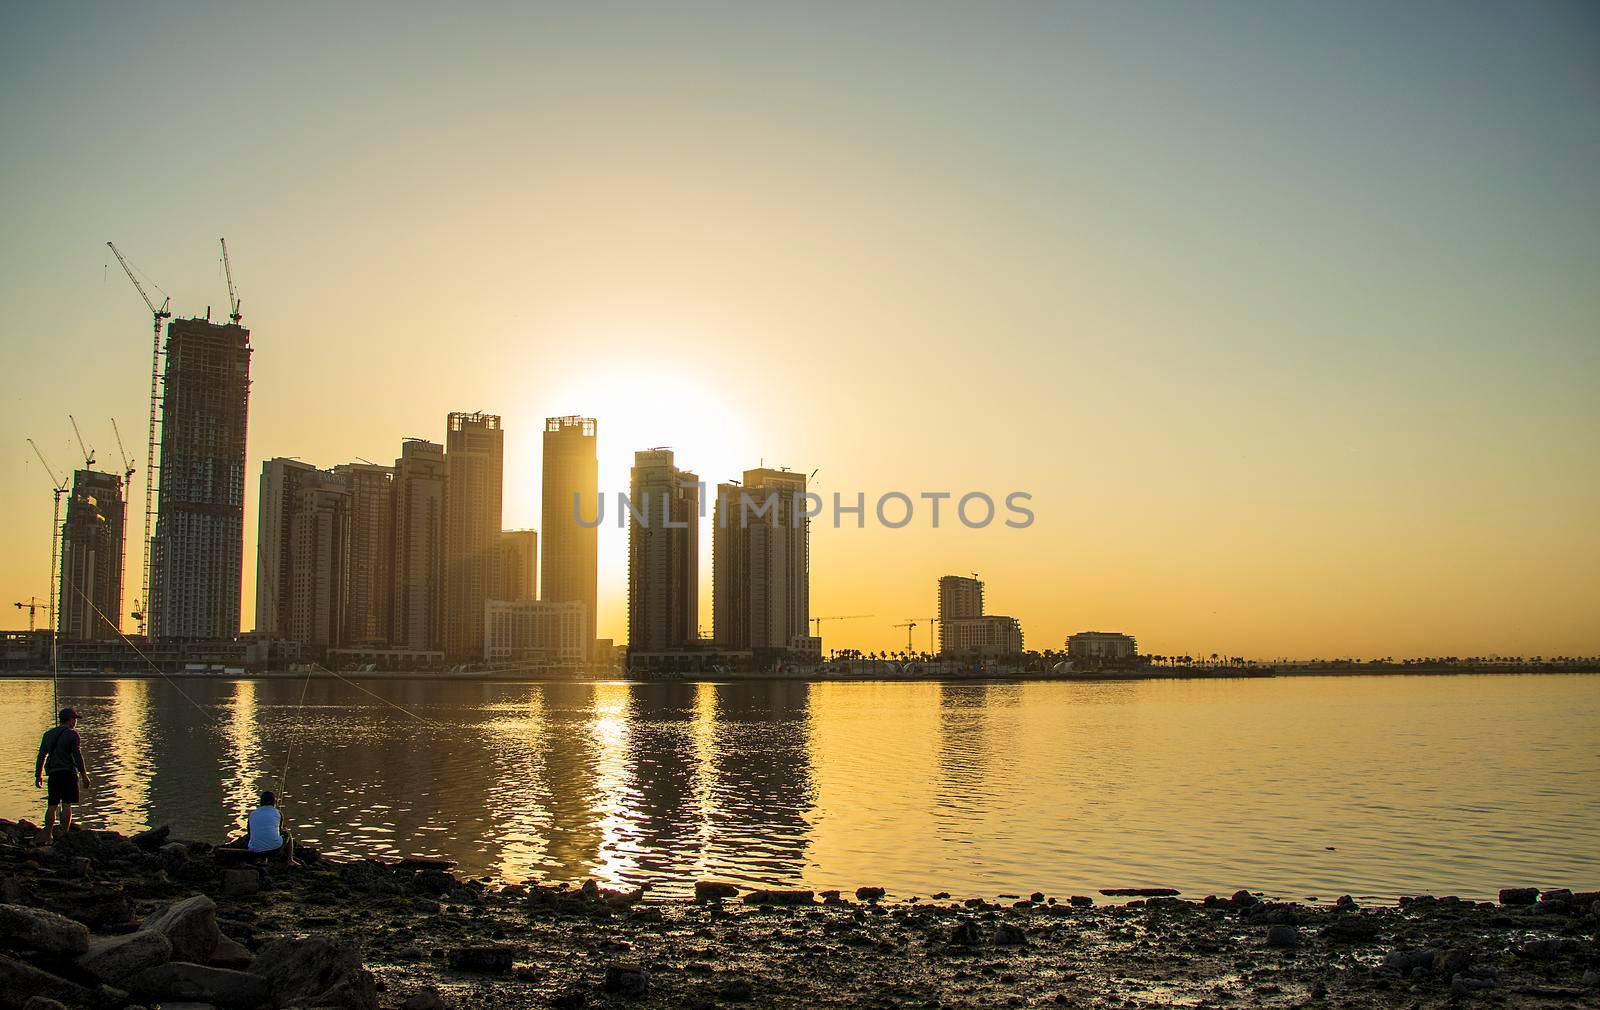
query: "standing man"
61, 758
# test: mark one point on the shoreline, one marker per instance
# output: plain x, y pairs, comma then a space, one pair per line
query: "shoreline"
524, 676
413, 935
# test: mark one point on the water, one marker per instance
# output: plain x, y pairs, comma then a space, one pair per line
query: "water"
1312, 786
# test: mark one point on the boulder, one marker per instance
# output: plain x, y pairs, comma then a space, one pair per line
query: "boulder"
965, 934
1080, 901
627, 979
230, 954
1007, 935
182, 980
43, 1003
113, 959
190, 926
780, 897
152, 839
21, 982
1407, 961
706, 890
101, 910
317, 971
869, 893
1283, 936
36, 929
427, 999
1140, 892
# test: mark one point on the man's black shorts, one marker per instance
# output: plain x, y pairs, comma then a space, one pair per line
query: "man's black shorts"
63, 787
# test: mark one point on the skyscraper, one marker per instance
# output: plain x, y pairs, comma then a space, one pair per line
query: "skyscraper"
197, 557
368, 585
418, 540
960, 598
474, 461
319, 544
519, 566
571, 551
663, 554
91, 557
281, 480
760, 562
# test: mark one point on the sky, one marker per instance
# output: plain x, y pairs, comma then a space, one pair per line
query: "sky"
1286, 316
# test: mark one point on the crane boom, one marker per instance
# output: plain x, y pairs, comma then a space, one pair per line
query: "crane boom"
88, 454
233, 294
156, 315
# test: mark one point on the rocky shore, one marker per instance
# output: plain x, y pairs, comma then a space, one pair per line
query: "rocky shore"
100, 920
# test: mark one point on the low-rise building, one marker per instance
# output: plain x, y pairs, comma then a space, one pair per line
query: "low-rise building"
1101, 645
990, 635
541, 631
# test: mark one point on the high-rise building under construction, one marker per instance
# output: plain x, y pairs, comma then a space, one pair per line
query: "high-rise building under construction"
197, 556
91, 557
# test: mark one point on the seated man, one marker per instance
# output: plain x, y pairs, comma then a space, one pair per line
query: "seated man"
266, 835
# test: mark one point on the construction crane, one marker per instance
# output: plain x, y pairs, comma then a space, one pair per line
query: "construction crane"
31, 606
127, 461
910, 626
930, 622
88, 454
60, 488
817, 631
233, 295
156, 315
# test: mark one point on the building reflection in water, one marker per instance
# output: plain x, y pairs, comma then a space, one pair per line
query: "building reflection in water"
128, 766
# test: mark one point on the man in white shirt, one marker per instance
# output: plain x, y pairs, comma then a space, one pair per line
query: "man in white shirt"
266, 834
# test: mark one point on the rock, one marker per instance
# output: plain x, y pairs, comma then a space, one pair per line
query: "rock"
781, 897
1243, 898
736, 991
1037, 897
10, 891
230, 954
1405, 961
427, 999
240, 882
1591, 979
1346, 904
20, 982
317, 972
1007, 935
100, 910
1351, 929
942, 896
869, 893
1140, 892
43, 1003
627, 978
965, 934
115, 958
1283, 936
707, 890
190, 926
493, 959
1466, 985
79, 867
36, 929
174, 853
1080, 901
152, 839
183, 980
1550, 947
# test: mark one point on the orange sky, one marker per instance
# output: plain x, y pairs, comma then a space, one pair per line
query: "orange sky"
1294, 361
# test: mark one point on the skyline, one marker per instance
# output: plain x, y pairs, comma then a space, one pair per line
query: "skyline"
1268, 401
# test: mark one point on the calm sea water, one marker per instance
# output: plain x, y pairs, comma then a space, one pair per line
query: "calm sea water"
1303, 787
